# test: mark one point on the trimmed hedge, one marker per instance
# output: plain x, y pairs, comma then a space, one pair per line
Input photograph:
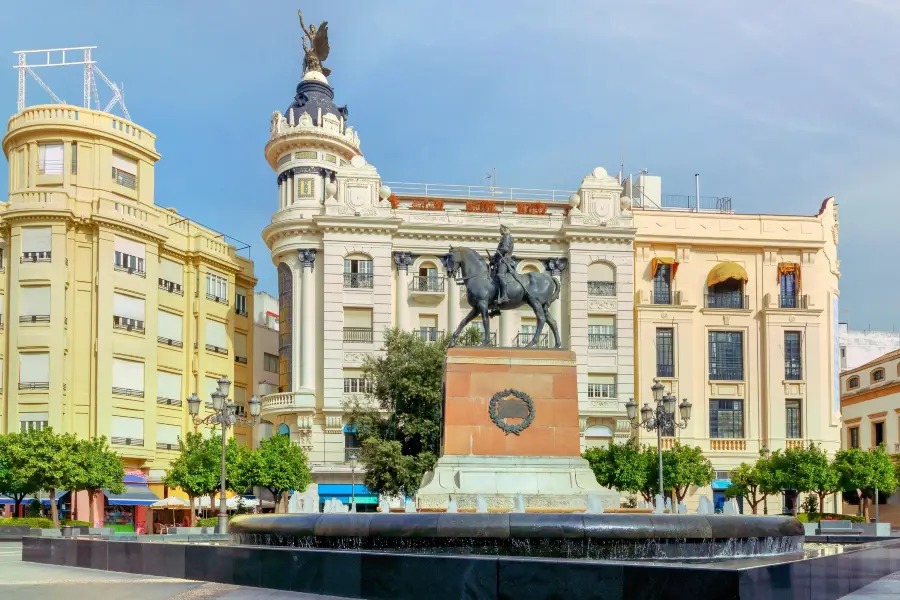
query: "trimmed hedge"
33, 522
77, 523
805, 517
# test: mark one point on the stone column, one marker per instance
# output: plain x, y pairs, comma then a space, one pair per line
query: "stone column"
453, 312
403, 260
555, 266
505, 336
281, 191
308, 320
290, 189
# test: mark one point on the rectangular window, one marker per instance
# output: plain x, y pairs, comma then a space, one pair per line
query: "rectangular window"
601, 333
35, 301
878, 434
793, 429
129, 256
34, 371
171, 275
788, 295
358, 325
240, 301
793, 365
50, 159
217, 287
128, 313
168, 388
170, 329
33, 421
124, 171
127, 431
428, 328
662, 285
36, 244
167, 436
216, 337
127, 378
240, 348
602, 387
357, 273
270, 362
853, 440
726, 419
665, 352
355, 383
74, 158
726, 356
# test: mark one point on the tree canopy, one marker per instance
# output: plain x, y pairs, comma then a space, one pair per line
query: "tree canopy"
52, 463
865, 471
683, 467
196, 470
753, 482
280, 466
98, 468
16, 480
621, 466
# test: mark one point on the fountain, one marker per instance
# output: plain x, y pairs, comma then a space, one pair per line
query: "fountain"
519, 504
451, 506
480, 504
594, 505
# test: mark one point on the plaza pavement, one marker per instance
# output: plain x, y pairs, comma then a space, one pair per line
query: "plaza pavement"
50, 582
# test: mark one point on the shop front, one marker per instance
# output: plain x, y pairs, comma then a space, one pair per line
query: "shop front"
129, 512
365, 500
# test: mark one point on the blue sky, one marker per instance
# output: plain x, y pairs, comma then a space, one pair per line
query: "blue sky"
778, 107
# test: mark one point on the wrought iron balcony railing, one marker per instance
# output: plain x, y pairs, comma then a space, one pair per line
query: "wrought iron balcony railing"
422, 283
170, 342
430, 334
240, 359
171, 287
120, 391
800, 301
164, 446
726, 373
34, 318
524, 338
601, 288
35, 385
124, 179
358, 280
126, 441
665, 370
492, 339
727, 300
361, 335
218, 299
217, 349
128, 324
793, 372
130, 270
602, 341
39, 256
168, 401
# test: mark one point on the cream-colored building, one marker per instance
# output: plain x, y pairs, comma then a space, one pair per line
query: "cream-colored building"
738, 313
870, 415
114, 309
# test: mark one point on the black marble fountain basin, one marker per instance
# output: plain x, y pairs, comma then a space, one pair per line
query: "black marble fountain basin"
592, 536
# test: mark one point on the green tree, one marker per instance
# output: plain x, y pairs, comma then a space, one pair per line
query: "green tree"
806, 470
196, 469
399, 423
242, 468
98, 468
622, 467
683, 467
53, 465
280, 466
753, 482
866, 471
15, 479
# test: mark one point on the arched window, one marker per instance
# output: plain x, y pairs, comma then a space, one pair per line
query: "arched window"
877, 375
601, 279
358, 271
283, 429
853, 383
725, 286
428, 280
285, 327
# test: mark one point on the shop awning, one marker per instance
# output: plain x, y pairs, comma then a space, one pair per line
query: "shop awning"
134, 495
663, 260
725, 271
720, 485
342, 491
5, 500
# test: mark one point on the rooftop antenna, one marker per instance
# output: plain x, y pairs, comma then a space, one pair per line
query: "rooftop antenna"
492, 177
29, 60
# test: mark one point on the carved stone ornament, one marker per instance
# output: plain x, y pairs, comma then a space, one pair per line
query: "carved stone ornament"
511, 405
557, 265
403, 260
308, 257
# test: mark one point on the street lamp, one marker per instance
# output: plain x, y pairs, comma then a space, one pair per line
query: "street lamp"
353, 459
224, 414
659, 418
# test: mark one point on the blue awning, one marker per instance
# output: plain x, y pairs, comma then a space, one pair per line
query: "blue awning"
327, 490
5, 500
135, 495
720, 485
349, 428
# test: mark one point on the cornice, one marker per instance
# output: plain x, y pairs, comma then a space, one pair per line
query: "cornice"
724, 241
116, 225
37, 214
353, 224
307, 139
201, 257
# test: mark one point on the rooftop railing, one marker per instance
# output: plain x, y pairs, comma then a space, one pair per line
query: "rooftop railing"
447, 190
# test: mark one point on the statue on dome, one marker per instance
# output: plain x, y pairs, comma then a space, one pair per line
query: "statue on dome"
317, 49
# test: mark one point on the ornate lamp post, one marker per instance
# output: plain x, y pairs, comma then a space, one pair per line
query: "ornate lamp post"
353, 459
224, 414
659, 418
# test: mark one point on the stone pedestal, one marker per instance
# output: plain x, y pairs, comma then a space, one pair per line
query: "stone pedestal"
510, 426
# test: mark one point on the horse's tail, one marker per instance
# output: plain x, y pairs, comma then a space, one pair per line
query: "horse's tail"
555, 295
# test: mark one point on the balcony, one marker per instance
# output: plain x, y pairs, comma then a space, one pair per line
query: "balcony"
430, 334
798, 301
128, 324
130, 270
34, 318
358, 335
352, 453
170, 342
524, 338
602, 341
492, 339
665, 370
672, 298
119, 391
35, 257
669, 442
793, 372
35, 385
427, 286
727, 445
795, 443
358, 281
601, 288
280, 403
168, 401
240, 313
171, 287
218, 299
125, 441
217, 349
164, 446
124, 179
725, 300
240, 359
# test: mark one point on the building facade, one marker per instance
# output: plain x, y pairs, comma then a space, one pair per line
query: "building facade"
265, 354
870, 415
114, 309
861, 347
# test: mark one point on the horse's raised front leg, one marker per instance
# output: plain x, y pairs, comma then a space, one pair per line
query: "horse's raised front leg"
541, 319
553, 326
485, 321
468, 319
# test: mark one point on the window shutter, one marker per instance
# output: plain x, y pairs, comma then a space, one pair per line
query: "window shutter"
167, 434
216, 334
357, 317
601, 272
428, 321
603, 321
128, 374
34, 416
34, 367
125, 164
51, 158
240, 345
596, 378
171, 271
170, 326
240, 395
128, 427
36, 239
35, 300
126, 246
168, 385
128, 307
212, 385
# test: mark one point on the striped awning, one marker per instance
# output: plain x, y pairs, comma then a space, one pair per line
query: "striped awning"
725, 271
134, 495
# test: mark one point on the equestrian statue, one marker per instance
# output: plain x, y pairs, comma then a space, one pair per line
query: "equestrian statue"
495, 286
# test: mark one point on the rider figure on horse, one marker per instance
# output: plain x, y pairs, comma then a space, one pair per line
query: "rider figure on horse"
502, 262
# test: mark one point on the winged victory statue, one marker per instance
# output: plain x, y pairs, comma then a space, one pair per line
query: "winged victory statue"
316, 51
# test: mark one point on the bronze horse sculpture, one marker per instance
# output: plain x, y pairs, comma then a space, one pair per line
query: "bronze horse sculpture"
537, 290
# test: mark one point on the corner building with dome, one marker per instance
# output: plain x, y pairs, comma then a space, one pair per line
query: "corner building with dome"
737, 313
